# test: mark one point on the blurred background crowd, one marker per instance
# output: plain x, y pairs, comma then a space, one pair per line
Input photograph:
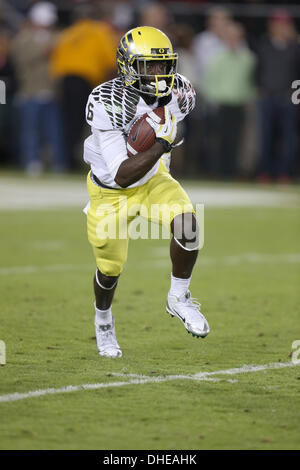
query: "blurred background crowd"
242, 58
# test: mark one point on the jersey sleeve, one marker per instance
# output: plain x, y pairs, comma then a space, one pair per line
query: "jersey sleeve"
113, 149
104, 151
185, 96
97, 116
111, 106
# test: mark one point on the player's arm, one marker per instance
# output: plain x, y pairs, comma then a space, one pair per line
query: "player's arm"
134, 168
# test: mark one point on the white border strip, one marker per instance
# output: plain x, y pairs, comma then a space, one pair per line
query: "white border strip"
136, 379
131, 149
158, 254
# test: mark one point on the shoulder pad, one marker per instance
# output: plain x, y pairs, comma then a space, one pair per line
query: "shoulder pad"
119, 102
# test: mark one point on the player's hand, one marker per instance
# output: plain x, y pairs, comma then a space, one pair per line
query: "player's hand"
165, 133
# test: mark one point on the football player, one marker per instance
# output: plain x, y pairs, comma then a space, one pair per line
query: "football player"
147, 80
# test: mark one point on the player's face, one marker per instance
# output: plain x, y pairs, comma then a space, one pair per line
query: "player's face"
154, 67
156, 76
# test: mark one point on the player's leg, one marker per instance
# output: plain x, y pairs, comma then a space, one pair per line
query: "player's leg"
184, 251
104, 289
110, 256
179, 212
110, 253
184, 244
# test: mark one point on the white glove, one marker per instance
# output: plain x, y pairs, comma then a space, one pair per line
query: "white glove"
165, 133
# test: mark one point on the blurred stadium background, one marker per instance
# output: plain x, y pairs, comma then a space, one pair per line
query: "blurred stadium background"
241, 158
242, 57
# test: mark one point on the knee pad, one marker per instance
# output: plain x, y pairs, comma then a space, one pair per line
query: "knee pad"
186, 232
107, 284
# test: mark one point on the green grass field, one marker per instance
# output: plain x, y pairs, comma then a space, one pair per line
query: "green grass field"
247, 279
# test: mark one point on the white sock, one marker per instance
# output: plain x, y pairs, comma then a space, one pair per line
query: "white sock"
179, 286
103, 317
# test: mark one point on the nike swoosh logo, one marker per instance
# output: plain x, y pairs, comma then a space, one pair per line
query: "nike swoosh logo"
135, 136
183, 319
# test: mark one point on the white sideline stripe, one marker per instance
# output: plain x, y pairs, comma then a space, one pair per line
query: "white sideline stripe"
140, 379
162, 252
23, 194
252, 258
168, 377
203, 375
44, 268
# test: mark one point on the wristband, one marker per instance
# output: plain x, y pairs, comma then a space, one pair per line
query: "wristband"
166, 145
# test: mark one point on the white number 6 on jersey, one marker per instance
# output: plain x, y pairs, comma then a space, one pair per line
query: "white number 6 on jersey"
90, 114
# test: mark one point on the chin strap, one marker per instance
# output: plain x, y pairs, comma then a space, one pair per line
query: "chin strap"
162, 88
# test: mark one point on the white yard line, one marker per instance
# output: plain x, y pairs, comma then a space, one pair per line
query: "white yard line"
33, 269
24, 194
204, 375
161, 258
135, 379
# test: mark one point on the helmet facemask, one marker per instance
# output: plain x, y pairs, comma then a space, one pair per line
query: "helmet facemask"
135, 73
155, 83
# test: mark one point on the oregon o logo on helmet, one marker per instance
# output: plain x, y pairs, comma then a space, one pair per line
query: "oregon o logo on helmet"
2, 92
160, 50
296, 94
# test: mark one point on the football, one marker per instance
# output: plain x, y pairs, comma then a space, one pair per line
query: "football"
141, 136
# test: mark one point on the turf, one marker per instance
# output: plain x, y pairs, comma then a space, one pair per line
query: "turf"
47, 324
